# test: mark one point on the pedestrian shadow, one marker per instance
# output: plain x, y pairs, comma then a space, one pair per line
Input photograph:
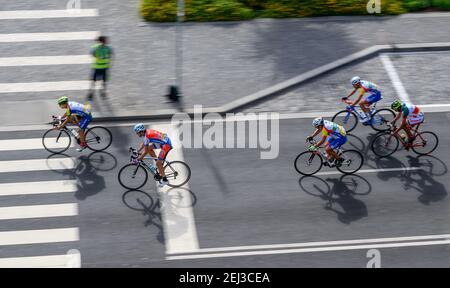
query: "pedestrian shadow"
339, 195
84, 170
167, 203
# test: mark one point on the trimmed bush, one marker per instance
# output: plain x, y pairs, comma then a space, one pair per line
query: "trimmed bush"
222, 10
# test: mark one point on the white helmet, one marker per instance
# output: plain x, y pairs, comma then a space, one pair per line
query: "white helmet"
356, 80
317, 122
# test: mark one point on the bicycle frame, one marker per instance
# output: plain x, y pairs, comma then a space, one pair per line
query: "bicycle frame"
135, 155
415, 134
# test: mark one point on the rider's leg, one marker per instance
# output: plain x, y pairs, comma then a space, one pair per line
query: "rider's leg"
162, 155
365, 107
84, 122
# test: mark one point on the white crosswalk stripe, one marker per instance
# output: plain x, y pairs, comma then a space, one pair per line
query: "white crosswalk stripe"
42, 14
12, 191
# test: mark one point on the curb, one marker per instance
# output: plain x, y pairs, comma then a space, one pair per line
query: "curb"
273, 91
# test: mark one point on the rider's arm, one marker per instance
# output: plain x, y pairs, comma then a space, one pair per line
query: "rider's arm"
140, 147
64, 123
353, 92
401, 126
324, 137
359, 98
147, 150
396, 118
314, 134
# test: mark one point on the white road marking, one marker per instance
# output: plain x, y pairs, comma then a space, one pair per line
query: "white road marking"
309, 250
325, 243
44, 86
43, 187
395, 79
180, 233
48, 261
428, 108
45, 60
42, 14
39, 236
37, 165
38, 211
29, 144
317, 246
50, 36
371, 171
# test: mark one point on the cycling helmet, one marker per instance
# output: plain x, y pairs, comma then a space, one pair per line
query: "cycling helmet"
63, 100
356, 80
396, 105
317, 122
139, 128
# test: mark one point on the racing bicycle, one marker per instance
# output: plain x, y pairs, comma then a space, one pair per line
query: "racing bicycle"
134, 176
310, 162
58, 141
349, 117
386, 143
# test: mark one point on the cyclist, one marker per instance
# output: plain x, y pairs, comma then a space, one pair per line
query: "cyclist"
154, 140
374, 96
412, 116
77, 114
334, 134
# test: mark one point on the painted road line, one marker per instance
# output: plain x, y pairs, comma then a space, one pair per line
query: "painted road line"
37, 165
309, 250
50, 36
38, 211
45, 60
326, 243
180, 233
44, 86
39, 236
42, 14
30, 144
49, 261
371, 171
43, 187
395, 79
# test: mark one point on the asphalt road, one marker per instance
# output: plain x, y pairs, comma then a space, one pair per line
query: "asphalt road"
241, 200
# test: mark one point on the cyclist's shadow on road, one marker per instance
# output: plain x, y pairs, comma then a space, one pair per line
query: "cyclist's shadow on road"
85, 170
339, 195
166, 204
420, 177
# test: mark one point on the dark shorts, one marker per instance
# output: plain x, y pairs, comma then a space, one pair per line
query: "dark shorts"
99, 74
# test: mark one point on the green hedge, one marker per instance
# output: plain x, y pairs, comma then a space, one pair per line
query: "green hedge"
222, 10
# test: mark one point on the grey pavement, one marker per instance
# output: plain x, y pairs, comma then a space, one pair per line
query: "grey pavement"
424, 75
222, 61
242, 200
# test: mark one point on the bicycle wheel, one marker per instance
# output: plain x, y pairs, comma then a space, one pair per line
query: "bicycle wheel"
133, 176
353, 161
381, 118
425, 143
356, 184
346, 119
56, 141
98, 138
178, 173
102, 161
308, 163
384, 144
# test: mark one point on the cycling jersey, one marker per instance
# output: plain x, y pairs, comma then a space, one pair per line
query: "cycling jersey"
333, 130
159, 141
78, 109
409, 109
367, 86
373, 89
412, 113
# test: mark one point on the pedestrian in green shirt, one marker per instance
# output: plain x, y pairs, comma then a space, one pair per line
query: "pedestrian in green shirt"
102, 54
